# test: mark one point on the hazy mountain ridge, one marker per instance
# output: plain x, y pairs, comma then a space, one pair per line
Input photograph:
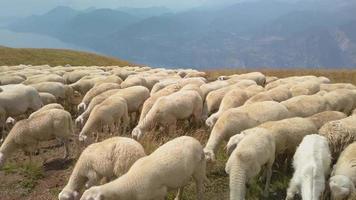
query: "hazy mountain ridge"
253, 34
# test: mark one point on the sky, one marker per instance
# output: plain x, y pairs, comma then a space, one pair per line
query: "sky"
29, 7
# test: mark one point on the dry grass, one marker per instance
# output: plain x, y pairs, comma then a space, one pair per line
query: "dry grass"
53, 57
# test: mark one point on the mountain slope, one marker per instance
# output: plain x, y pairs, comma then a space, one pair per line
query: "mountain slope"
53, 57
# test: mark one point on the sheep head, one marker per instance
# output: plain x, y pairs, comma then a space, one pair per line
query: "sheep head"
137, 133
93, 193
340, 186
68, 195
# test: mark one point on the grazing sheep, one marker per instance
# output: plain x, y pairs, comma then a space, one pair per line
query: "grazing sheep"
59, 90
246, 161
335, 86
110, 158
305, 88
343, 177
10, 79
95, 101
235, 120
311, 163
233, 99
270, 79
47, 98
340, 133
306, 105
135, 81
195, 74
168, 109
86, 83
194, 87
168, 167
109, 113
27, 133
45, 108
162, 84
278, 94
257, 77
214, 98
96, 90
208, 87
43, 78
343, 100
322, 118
147, 105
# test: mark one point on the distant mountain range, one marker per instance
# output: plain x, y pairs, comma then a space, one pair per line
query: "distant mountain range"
248, 34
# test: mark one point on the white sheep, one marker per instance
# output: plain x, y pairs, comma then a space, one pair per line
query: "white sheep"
168, 167
111, 112
45, 108
246, 161
233, 99
96, 90
306, 105
334, 86
147, 105
311, 163
47, 98
108, 159
343, 177
343, 100
235, 120
305, 88
278, 94
26, 134
168, 109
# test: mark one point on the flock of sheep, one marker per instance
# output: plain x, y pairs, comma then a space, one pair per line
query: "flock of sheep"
303, 119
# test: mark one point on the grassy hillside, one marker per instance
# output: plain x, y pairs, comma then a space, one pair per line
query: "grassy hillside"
16, 56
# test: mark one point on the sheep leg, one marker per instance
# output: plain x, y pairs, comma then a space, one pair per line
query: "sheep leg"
268, 177
292, 189
179, 194
97, 136
66, 149
199, 177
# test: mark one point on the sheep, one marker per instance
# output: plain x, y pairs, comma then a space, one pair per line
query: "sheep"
193, 87
162, 84
47, 98
59, 90
311, 163
270, 79
168, 167
257, 77
294, 80
110, 158
343, 100
278, 94
306, 105
233, 99
10, 79
322, 118
208, 87
86, 83
214, 98
340, 133
27, 133
305, 88
147, 105
195, 74
335, 86
168, 109
253, 152
235, 120
95, 101
343, 177
110, 112
137, 81
43, 78
45, 108
96, 90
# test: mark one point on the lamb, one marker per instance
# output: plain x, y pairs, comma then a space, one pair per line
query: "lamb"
311, 163
110, 158
96, 90
306, 105
110, 112
168, 109
233, 99
343, 177
246, 161
27, 133
147, 105
235, 120
47, 98
340, 133
152, 176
